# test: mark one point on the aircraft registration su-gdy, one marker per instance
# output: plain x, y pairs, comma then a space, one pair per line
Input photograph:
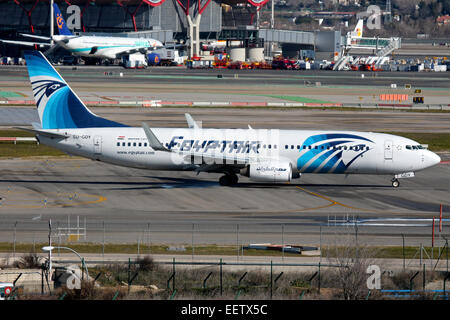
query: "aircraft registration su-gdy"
265, 155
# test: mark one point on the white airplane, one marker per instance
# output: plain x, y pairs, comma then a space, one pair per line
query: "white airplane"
262, 155
92, 46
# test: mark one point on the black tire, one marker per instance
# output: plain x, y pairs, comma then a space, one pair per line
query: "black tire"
395, 183
225, 180
234, 179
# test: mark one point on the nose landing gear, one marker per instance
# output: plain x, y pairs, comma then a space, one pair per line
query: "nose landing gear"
395, 183
405, 175
228, 179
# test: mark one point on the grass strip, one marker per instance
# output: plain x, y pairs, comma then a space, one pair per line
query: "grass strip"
385, 252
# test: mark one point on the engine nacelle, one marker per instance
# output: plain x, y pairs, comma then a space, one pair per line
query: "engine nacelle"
269, 171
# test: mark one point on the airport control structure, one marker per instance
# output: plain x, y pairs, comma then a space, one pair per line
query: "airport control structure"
235, 22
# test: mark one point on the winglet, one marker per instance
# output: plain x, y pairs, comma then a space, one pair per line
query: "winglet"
153, 140
191, 122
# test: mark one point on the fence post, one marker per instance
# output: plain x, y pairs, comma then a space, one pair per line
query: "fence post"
241, 278
319, 279
411, 281
421, 253
193, 228
237, 241
129, 273
103, 245
148, 238
173, 269
42, 280
271, 279
206, 279
282, 241
221, 279
14, 241
403, 251
424, 280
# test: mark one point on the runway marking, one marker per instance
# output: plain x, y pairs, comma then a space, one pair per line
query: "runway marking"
58, 201
333, 202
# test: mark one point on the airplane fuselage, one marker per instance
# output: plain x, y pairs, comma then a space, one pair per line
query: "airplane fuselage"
306, 151
104, 47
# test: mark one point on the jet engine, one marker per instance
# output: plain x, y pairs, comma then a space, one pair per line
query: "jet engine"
269, 172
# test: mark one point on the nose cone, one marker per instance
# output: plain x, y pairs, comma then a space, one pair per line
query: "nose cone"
432, 159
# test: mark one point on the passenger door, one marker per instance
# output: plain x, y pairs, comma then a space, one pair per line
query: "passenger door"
97, 145
388, 150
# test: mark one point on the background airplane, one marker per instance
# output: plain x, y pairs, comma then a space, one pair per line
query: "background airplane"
269, 156
91, 46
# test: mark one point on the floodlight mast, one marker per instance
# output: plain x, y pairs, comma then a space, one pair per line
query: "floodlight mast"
51, 248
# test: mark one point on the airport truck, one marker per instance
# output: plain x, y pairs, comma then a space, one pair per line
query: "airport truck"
134, 61
166, 57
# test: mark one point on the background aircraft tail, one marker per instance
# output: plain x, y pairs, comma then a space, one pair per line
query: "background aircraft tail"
60, 22
58, 106
359, 29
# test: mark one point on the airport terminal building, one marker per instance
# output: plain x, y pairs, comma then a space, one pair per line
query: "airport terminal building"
166, 20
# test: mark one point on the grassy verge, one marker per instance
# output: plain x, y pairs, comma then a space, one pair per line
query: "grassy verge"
391, 252
24, 149
143, 249
436, 141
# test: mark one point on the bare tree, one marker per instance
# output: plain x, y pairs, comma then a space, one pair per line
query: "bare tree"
352, 260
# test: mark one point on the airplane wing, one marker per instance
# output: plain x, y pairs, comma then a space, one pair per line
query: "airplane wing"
137, 50
35, 36
26, 43
191, 122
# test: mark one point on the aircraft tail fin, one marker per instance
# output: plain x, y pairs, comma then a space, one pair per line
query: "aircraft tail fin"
60, 22
58, 105
359, 29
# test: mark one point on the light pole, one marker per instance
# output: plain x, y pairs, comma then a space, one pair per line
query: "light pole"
50, 248
51, 22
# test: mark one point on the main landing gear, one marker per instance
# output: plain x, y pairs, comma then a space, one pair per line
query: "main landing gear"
228, 179
395, 183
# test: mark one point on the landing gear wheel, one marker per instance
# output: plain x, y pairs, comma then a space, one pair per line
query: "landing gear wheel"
225, 180
395, 183
228, 180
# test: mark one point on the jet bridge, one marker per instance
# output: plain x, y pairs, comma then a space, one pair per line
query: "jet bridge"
381, 46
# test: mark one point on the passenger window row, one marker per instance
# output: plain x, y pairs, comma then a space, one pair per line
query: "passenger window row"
354, 148
132, 144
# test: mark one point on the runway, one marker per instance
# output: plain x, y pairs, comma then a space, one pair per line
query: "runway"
130, 205
106, 84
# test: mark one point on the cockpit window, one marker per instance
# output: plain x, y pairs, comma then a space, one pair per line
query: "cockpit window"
418, 147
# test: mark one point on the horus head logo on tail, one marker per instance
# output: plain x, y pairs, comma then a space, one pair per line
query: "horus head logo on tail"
43, 89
